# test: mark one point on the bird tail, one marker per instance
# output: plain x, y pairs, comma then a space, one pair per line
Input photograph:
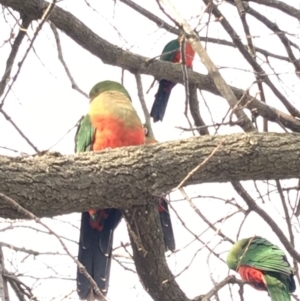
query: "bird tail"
166, 225
277, 289
95, 250
161, 100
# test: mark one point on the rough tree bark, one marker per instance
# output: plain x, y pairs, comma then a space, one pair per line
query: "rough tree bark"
149, 252
53, 184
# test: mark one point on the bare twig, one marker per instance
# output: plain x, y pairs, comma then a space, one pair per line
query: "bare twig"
28, 251
230, 279
202, 216
30, 215
195, 111
61, 58
162, 24
8, 118
289, 225
235, 38
254, 207
219, 81
19, 287
15, 48
44, 18
142, 101
198, 167
3, 281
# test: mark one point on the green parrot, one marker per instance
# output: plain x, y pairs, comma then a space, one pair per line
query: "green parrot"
170, 53
264, 265
111, 122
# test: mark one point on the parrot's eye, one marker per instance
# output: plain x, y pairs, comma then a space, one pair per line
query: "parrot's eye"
145, 131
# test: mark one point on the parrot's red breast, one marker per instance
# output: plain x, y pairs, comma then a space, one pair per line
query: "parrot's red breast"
97, 223
252, 275
189, 55
111, 130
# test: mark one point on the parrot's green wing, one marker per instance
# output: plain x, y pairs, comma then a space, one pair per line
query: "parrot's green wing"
278, 290
263, 255
170, 51
85, 135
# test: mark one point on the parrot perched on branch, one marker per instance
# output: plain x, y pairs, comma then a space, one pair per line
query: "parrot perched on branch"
264, 265
171, 53
163, 208
111, 122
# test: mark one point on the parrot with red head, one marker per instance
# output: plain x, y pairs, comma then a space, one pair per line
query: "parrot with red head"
171, 53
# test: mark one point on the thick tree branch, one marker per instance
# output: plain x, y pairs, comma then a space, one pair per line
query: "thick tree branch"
53, 184
280, 5
161, 23
149, 252
214, 73
116, 56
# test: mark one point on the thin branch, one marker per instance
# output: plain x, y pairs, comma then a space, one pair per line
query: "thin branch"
289, 225
217, 124
280, 5
203, 217
140, 90
13, 53
185, 78
115, 56
8, 118
162, 24
28, 251
30, 215
3, 281
235, 38
19, 287
219, 81
274, 226
195, 111
44, 18
230, 279
251, 49
61, 59
200, 166
275, 28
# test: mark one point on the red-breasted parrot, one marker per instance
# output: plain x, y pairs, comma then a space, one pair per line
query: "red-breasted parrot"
170, 53
111, 122
263, 264
163, 208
